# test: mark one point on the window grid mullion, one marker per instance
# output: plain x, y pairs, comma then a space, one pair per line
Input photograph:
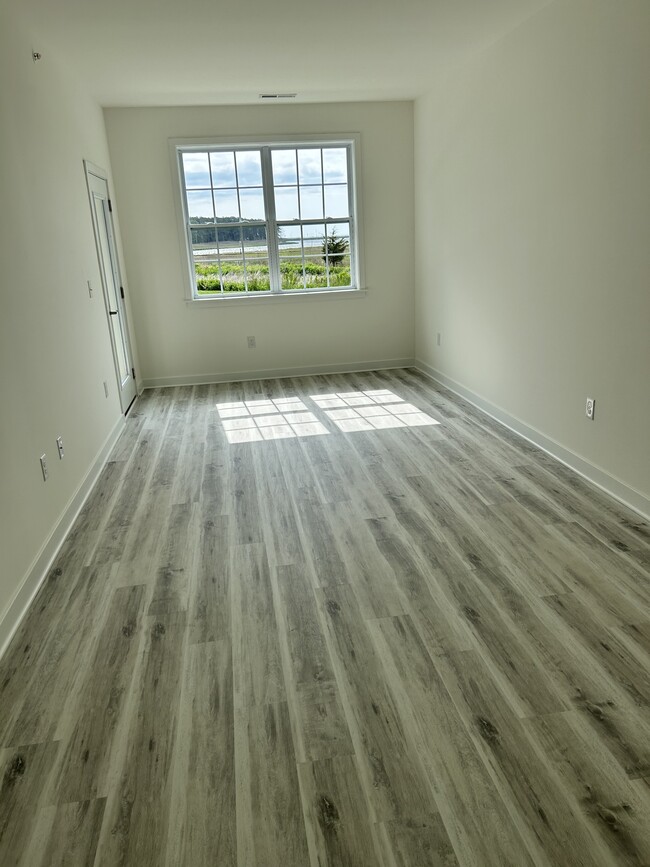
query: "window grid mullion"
352, 243
271, 222
214, 210
322, 181
298, 186
241, 230
322, 193
302, 250
216, 230
314, 222
327, 255
302, 231
216, 236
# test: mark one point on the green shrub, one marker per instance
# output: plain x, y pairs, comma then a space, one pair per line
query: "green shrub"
292, 278
208, 284
334, 248
314, 268
315, 276
339, 276
258, 282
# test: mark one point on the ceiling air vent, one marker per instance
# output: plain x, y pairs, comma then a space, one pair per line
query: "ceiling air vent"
278, 95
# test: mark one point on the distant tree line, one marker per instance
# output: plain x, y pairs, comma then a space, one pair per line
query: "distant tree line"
208, 235
334, 248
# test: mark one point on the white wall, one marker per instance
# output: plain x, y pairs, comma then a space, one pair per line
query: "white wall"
178, 340
532, 170
54, 340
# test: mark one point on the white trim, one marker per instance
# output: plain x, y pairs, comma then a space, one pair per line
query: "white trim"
613, 486
235, 298
123, 386
277, 373
30, 585
352, 141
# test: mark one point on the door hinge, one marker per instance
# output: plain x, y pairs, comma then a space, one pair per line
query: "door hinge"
110, 206
122, 291
133, 372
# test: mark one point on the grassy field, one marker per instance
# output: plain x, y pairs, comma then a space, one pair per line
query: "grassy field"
255, 277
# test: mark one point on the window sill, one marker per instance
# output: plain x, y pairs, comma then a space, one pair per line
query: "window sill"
271, 298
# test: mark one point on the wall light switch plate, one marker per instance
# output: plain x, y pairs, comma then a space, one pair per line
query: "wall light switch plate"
59, 445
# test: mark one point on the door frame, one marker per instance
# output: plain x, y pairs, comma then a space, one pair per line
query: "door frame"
91, 168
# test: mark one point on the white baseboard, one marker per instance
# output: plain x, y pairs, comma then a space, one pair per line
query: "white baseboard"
277, 373
618, 489
36, 573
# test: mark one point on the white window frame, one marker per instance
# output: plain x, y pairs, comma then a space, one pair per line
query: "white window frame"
349, 140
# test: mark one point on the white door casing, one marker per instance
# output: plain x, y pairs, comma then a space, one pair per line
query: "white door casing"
109, 269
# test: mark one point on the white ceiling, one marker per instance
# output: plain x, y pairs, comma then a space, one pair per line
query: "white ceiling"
168, 52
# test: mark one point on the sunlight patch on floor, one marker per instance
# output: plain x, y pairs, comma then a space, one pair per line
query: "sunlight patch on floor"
370, 410
290, 417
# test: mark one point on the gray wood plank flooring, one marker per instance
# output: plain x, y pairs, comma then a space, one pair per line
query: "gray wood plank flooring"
298, 624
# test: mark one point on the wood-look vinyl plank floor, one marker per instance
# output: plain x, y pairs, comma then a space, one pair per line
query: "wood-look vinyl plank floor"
298, 623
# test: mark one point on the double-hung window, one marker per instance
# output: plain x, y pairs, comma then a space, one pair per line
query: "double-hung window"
273, 218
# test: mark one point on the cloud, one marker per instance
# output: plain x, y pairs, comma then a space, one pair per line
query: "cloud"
196, 169
249, 168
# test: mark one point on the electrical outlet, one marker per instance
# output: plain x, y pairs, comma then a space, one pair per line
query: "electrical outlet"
590, 408
44, 467
105, 389
252, 344
59, 445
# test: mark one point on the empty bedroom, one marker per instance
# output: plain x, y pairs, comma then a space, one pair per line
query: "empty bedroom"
325, 478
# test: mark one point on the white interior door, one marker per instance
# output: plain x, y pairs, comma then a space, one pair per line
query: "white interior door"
100, 205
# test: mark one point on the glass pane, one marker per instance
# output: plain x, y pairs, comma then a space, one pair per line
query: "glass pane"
252, 204
205, 235
314, 235
255, 245
289, 237
196, 169
249, 168
229, 240
199, 204
226, 205
286, 203
204, 249
341, 230
335, 165
207, 278
291, 273
309, 169
338, 255
284, 167
255, 234
338, 244
336, 200
232, 274
257, 275
340, 275
223, 169
311, 203
315, 268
